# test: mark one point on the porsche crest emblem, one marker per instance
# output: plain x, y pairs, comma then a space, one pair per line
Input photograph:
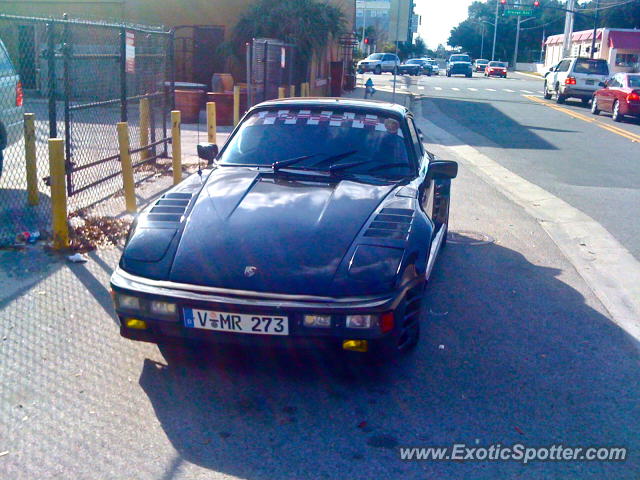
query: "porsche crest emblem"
250, 271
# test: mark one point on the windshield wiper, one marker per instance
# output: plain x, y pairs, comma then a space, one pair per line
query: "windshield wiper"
337, 156
288, 162
345, 166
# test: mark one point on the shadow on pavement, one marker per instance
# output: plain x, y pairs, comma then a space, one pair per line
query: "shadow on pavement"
509, 354
492, 128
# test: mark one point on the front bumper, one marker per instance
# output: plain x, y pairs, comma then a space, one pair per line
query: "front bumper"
255, 303
460, 70
367, 67
497, 73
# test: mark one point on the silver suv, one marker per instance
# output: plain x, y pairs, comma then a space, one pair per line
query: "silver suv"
378, 63
11, 113
575, 77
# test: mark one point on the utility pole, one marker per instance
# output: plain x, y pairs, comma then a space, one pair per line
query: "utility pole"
495, 31
395, 69
482, 42
542, 45
515, 50
595, 30
568, 28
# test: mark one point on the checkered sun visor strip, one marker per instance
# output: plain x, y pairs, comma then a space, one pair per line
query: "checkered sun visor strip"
327, 118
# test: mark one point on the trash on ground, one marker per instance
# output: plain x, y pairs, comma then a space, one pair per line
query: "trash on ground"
441, 347
77, 258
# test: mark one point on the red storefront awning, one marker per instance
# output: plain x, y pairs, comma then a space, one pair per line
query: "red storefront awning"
625, 40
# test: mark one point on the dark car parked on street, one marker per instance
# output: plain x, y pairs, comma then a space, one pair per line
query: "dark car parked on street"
620, 95
319, 222
11, 110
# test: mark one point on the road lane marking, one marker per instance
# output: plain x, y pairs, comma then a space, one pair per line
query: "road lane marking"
490, 89
472, 89
613, 129
420, 88
455, 89
540, 91
525, 91
608, 268
437, 88
507, 90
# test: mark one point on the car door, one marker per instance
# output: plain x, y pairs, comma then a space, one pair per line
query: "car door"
560, 73
605, 100
422, 160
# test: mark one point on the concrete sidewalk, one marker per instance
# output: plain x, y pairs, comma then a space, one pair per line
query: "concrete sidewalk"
515, 349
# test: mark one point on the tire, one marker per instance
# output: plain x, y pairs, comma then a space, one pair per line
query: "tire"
468, 75
547, 94
377, 70
360, 71
615, 112
559, 97
448, 74
594, 106
585, 101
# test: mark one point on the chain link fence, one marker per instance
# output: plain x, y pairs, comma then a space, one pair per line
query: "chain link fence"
79, 79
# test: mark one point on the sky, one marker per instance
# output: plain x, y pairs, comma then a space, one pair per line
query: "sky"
438, 18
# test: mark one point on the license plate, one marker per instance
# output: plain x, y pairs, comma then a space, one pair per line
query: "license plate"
236, 322
590, 82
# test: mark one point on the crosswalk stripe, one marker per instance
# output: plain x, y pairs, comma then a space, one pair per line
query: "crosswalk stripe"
473, 89
455, 89
420, 88
490, 89
525, 91
540, 91
437, 88
507, 90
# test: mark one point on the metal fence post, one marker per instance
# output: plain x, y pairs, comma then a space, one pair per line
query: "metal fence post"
30, 158
123, 74
127, 169
59, 225
211, 122
51, 80
144, 127
66, 52
176, 146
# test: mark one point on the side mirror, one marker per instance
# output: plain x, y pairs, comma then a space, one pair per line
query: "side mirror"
602, 84
442, 169
208, 152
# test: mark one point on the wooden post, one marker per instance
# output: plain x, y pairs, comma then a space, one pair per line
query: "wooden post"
144, 127
127, 168
30, 158
211, 122
176, 146
59, 225
281, 92
292, 91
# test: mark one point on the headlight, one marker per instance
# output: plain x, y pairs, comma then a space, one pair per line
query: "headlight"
362, 321
320, 321
128, 302
162, 308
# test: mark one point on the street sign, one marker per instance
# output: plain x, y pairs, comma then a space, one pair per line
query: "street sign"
517, 11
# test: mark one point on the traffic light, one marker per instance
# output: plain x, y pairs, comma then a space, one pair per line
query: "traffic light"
536, 3
366, 41
502, 4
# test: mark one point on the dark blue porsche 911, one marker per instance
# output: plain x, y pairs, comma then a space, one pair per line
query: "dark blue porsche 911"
318, 223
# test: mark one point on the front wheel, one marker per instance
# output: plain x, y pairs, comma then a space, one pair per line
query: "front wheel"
468, 75
594, 106
448, 74
585, 101
377, 70
616, 115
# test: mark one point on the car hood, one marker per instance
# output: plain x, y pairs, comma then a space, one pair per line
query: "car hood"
253, 231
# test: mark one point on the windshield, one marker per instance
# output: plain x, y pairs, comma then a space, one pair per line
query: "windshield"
482, 60
597, 67
375, 141
460, 58
375, 56
634, 81
414, 62
498, 64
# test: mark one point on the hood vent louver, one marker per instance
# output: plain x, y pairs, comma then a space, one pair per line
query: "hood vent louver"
391, 223
169, 208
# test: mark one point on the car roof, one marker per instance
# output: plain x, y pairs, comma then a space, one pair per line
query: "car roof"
332, 102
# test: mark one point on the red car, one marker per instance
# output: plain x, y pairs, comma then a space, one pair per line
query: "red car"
620, 96
498, 69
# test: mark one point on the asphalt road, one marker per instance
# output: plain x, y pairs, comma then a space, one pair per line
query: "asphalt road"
516, 348
590, 162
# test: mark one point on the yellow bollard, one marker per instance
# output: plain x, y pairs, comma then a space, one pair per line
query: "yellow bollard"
281, 92
292, 91
58, 194
236, 105
211, 122
144, 128
30, 158
176, 146
303, 92
127, 168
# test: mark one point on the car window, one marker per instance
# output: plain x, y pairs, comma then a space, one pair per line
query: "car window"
414, 62
563, 66
459, 58
634, 81
415, 139
497, 64
6, 68
586, 65
271, 135
375, 56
